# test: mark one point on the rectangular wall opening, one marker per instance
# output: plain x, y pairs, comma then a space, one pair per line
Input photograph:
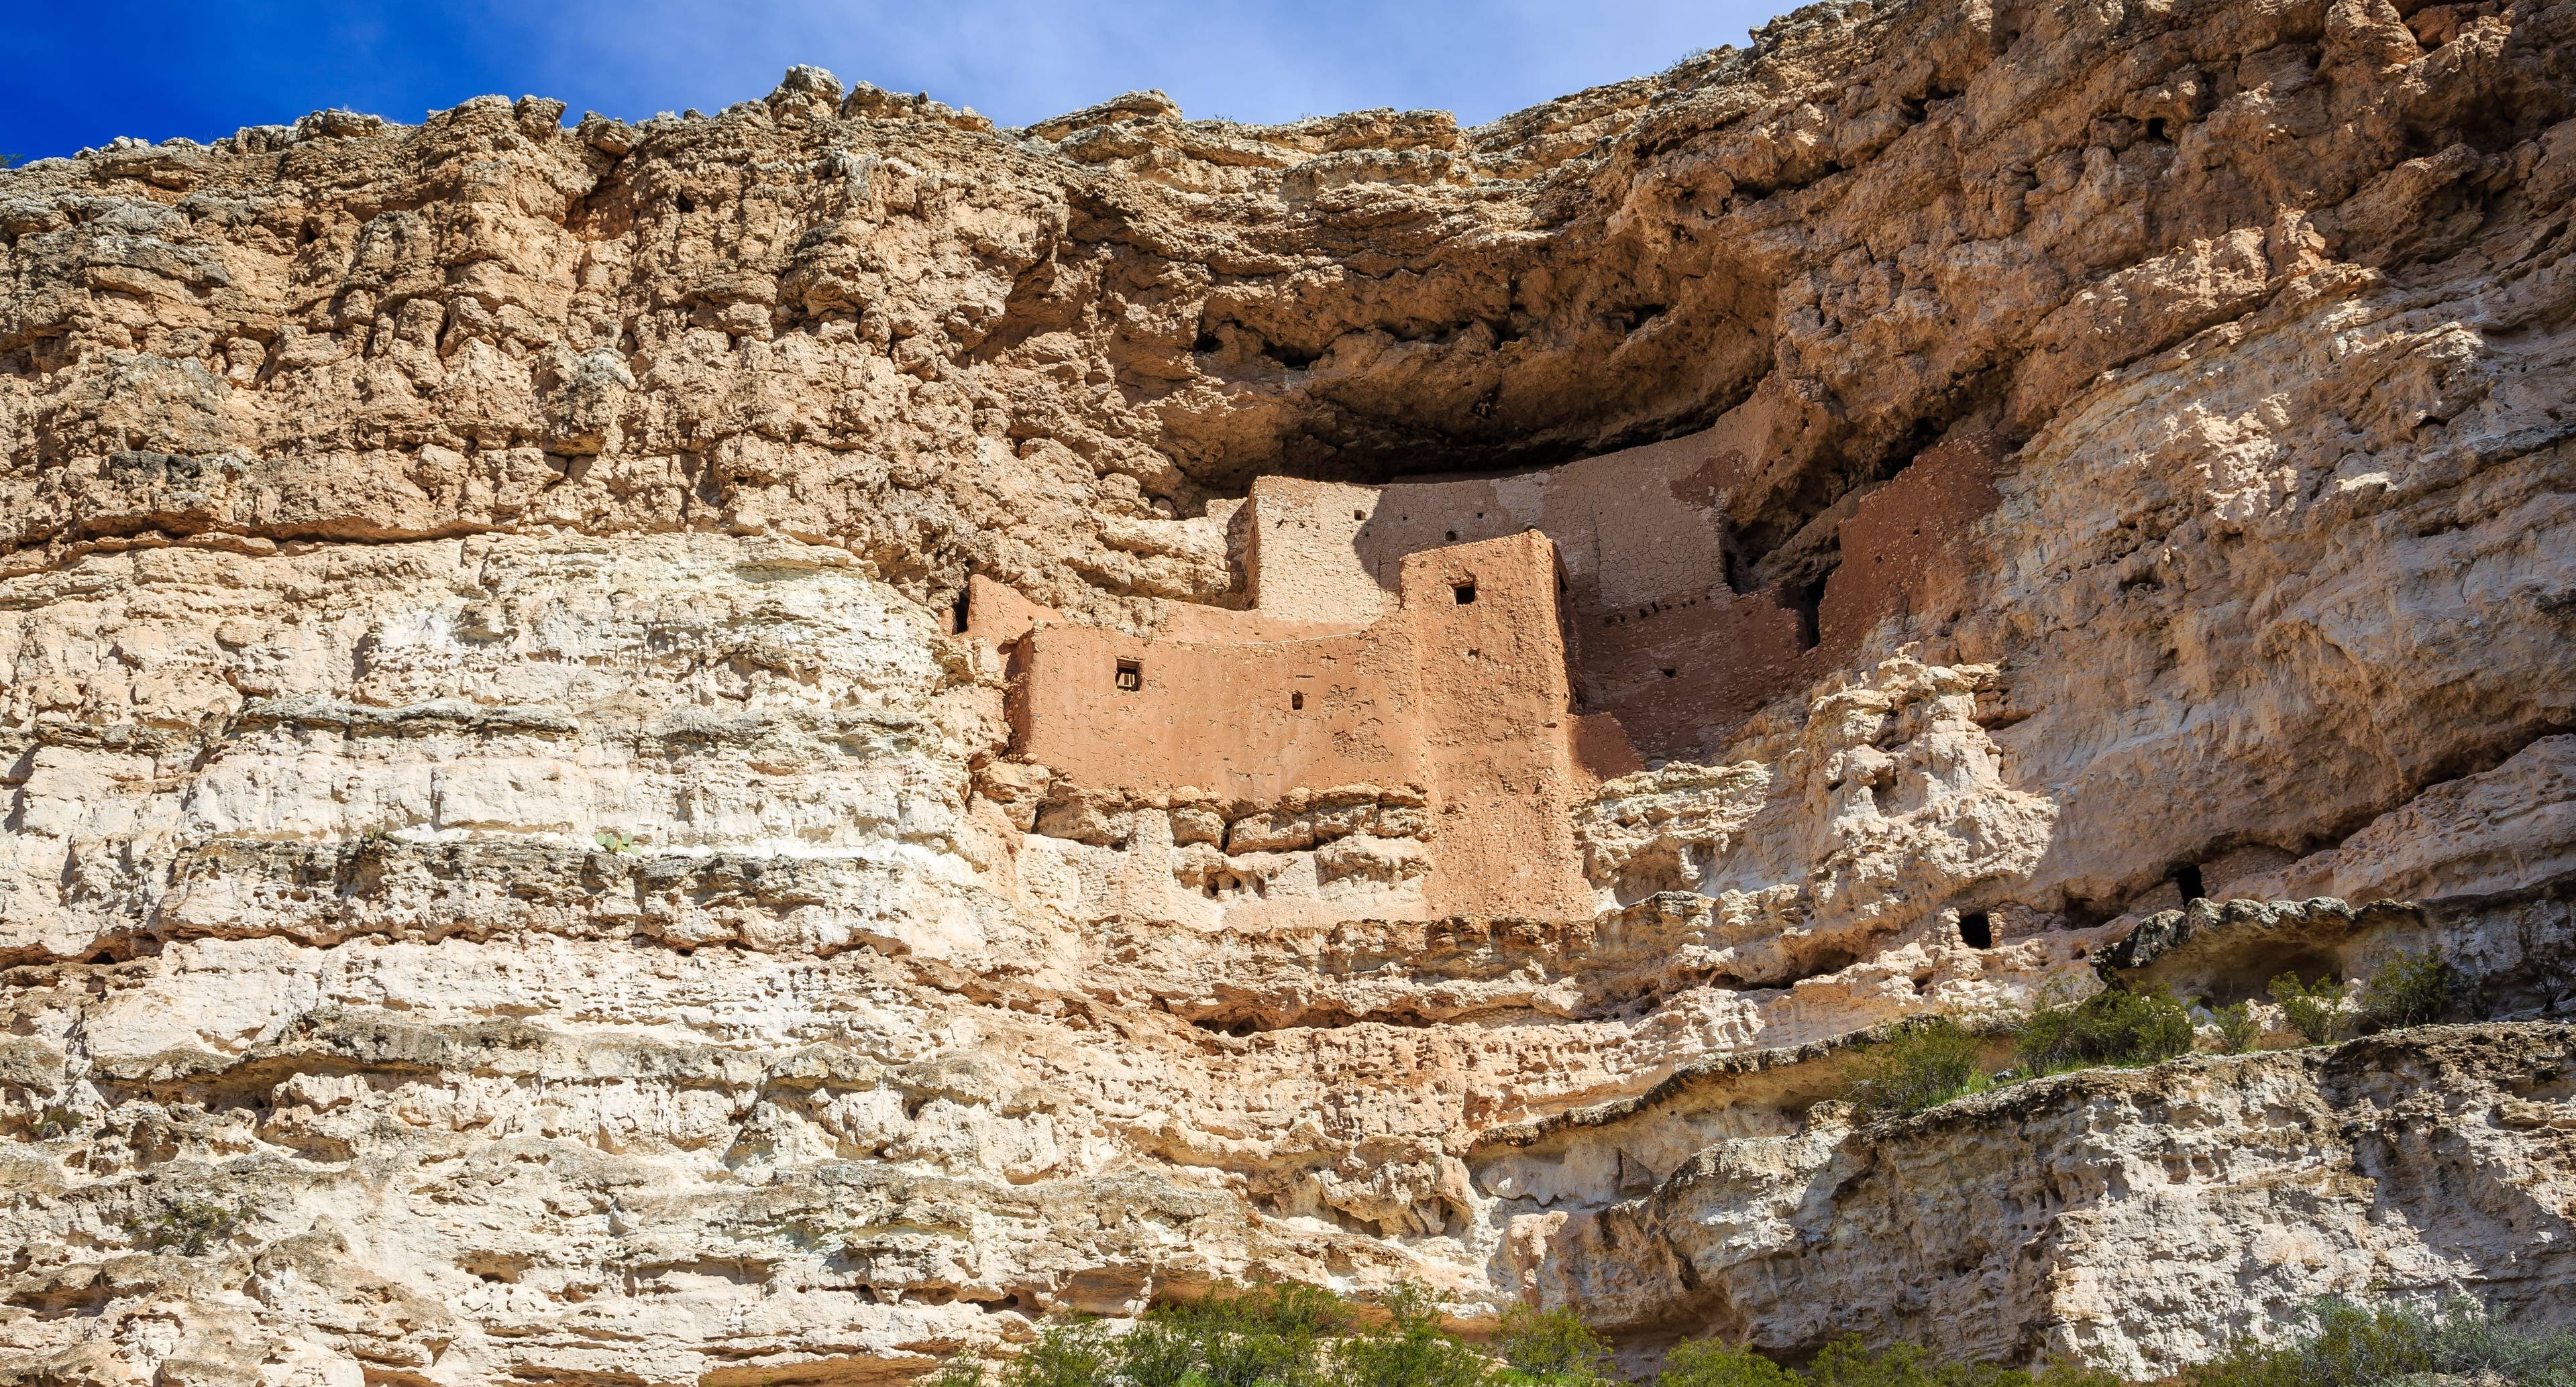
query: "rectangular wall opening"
1131, 676
1808, 600
1465, 592
1977, 930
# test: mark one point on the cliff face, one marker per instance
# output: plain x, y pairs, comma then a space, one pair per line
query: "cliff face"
522, 858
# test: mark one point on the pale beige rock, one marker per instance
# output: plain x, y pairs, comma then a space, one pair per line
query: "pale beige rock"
2065, 1215
503, 854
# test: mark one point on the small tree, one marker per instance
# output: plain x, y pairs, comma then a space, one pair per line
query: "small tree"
2237, 1029
1927, 1062
2349, 1345
1159, 1352
1410, 1351
2316, 1010
2408, 990
1551, 1344
2123, 1026
1710, 1363
1068, 1353
961, 1370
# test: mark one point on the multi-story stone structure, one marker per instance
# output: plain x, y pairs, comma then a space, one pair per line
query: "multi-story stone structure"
1474, 653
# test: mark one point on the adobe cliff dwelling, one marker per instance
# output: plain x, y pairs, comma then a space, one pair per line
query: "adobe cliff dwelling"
1422, 692
784, 745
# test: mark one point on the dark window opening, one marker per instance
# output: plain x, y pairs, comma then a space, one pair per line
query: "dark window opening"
2187, 881
1808, 600
1453, 536
1359, 515
1131, 676
1465, 592
1977, 930
1296, 702
1671, 673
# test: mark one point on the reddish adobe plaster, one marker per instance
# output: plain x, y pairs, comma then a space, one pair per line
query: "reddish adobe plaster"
1494, 645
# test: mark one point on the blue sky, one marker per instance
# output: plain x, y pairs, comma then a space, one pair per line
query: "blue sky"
74, 74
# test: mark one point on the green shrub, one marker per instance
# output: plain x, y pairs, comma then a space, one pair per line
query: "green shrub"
1159, 1352
1257, 1357
2408, 990
1847, 1362
2238, 1031
1551, 1344
1248, 1336
188, 1227
2354, 1346
1068, 1353
961, 1370
1301, 1336
1309, 1312
2123, 1026
2315, 1010
1410, 1351
1926, 1063
1709, 1363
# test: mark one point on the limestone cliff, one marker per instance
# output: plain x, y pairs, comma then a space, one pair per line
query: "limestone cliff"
525, 648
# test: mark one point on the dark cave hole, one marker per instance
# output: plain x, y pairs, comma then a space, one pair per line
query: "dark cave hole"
1977, 930
2186, 879
1807, 600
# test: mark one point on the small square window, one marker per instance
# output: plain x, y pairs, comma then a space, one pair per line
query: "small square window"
1296, 702
1131, 676
1465, 592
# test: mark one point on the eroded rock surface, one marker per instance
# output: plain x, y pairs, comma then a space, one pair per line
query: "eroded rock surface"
2103, 1203
521, 859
